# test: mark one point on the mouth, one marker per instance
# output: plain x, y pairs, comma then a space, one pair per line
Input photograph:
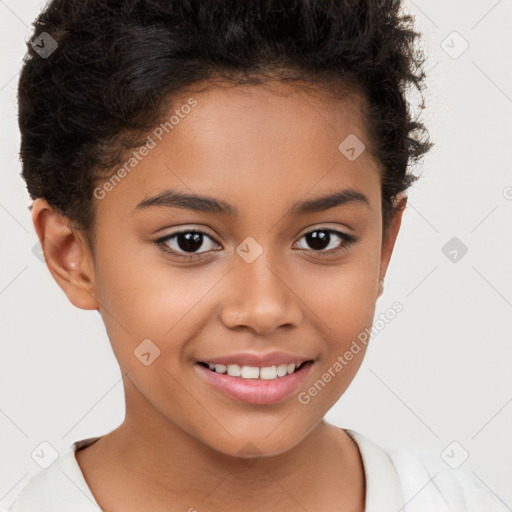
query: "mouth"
256, 385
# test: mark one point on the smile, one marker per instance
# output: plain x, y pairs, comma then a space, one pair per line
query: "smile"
256, 385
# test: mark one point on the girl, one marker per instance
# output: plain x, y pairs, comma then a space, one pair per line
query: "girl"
224, 181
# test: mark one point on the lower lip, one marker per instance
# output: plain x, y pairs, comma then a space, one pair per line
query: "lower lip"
256, 391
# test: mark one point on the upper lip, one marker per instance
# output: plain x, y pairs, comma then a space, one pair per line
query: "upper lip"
261, 360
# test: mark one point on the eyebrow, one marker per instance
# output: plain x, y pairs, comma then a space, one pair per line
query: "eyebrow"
206, 204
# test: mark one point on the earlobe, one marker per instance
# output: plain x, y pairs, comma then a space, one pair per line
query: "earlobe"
66, 255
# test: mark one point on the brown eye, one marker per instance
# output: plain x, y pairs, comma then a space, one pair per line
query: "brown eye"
186, 243
328, 240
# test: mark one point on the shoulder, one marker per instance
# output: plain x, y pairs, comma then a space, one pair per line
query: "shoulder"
59, 488
428, 483
423, 481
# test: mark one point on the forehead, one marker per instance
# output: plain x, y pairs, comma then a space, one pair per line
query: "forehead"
250, 120
249, 143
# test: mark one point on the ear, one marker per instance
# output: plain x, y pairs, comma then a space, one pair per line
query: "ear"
66, 254
389, 237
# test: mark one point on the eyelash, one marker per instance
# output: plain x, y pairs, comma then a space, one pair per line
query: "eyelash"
348, 240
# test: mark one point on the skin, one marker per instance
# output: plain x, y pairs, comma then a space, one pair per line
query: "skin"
260, 148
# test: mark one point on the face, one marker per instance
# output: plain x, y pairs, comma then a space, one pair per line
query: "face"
228, 310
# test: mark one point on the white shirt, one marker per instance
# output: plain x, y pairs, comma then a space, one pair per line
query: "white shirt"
398, 481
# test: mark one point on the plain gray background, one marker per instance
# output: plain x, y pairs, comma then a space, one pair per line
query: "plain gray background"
439, 372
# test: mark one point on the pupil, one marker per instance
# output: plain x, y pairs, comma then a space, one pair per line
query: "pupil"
190, 241
317, 241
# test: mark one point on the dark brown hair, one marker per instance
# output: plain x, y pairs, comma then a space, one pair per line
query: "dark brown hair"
118, 64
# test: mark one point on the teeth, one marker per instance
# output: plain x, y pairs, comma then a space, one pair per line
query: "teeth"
282, 370
255, 372
250, 372
268, 372
234, 370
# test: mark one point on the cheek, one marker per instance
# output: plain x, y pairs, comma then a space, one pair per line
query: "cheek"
343, 297
346, 315
343, 303
139, 296
150, 311
151, 303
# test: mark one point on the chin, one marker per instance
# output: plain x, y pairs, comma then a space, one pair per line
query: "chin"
252, 444
251, 450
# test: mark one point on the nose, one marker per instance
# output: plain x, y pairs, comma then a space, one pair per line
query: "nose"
260, 297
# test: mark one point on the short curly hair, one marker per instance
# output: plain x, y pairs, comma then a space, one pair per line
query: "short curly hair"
119, 63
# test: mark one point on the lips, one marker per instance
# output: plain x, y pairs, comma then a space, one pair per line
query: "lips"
256, 379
